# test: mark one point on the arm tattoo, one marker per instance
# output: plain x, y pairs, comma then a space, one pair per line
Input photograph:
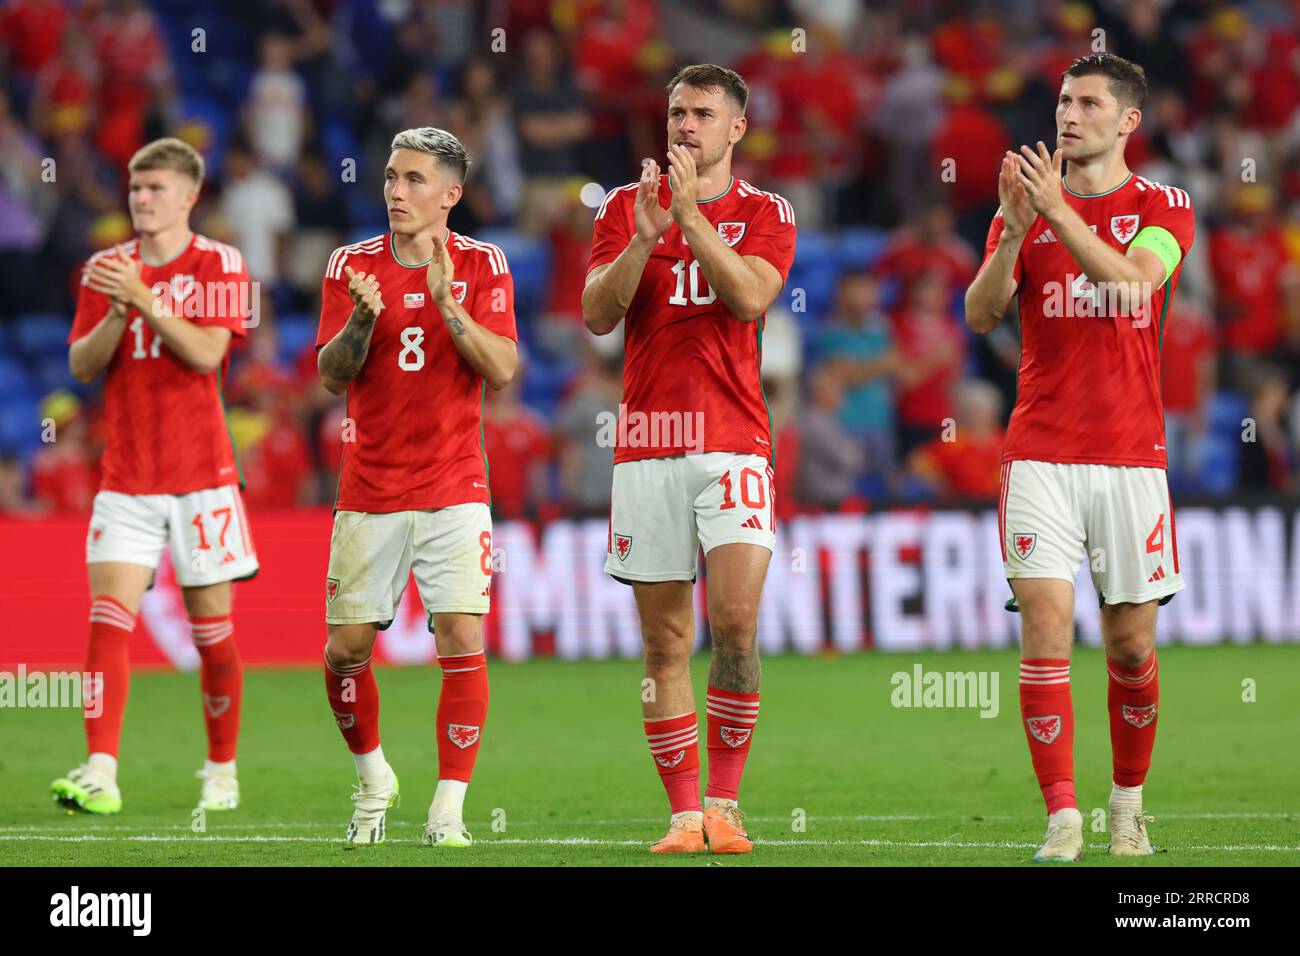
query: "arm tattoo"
343, 356
455, 324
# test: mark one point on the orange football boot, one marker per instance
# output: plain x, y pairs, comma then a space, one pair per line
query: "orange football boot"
684, 836
723, 830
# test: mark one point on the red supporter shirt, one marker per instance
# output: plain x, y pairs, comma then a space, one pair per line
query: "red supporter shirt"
1249, 268
908, 258
515, 446
972, 469
416, 403
1189, 340
918, 335
1088, 387
685, 352
164, 422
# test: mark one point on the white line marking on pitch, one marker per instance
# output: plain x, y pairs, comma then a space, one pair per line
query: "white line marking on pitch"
630, 821
587, 841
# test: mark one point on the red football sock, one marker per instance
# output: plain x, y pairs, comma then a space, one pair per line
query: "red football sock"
107, 675
221, 679
1049, 727
674, 745
731, 718
1131, 699
462, 710
354, 698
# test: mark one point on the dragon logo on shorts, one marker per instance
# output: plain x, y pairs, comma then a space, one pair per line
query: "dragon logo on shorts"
331, 590
1045, 729
1139, 717
668, 761
1025, 541
734, 736
462, 735
622, 545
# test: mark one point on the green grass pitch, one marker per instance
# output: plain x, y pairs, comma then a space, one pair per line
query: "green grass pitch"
563, 775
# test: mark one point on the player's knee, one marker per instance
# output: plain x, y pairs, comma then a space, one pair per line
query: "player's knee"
666, 651
347, 646
1130, 650
733, 624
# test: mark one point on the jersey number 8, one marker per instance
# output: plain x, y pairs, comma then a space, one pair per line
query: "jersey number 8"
411, 358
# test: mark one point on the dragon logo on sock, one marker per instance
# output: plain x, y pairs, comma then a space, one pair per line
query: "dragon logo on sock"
1045, 729
668, 761
462, 735
1139, 717
216, 706
735, 736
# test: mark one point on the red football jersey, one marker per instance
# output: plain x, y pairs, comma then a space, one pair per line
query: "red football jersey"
1088, 388
165, 424
688, 360
416, 405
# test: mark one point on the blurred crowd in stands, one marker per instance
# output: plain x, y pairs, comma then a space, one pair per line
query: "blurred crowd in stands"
883, 123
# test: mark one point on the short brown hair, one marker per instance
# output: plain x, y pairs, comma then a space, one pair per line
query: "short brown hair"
169, 153
1127, 80
710, 76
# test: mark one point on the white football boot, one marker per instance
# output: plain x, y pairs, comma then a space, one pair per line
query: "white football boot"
220, 789
1064, 840
373, 804
1128, 824
445, 828
87, 789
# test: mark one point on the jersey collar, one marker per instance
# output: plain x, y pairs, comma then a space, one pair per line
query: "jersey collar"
731, 185
1095, 195
392, 249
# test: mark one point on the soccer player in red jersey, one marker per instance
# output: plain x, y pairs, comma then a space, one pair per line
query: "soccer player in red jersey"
415, 324
156, 315
693, 259
1094, 253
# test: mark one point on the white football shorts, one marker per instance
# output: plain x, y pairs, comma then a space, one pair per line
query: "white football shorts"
372, 557
1120, 519
207, 530
663, 509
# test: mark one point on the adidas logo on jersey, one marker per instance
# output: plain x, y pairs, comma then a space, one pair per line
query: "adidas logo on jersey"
1046, 236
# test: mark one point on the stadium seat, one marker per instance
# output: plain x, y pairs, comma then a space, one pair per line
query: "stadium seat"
860, 248
1223, 444
41, 334
14, 379
529, 260
20, 426
50, 372
296, 333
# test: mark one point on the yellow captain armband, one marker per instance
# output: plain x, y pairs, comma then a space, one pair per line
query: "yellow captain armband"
1161, 241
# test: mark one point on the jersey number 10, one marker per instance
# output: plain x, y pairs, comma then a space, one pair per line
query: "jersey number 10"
679, 296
